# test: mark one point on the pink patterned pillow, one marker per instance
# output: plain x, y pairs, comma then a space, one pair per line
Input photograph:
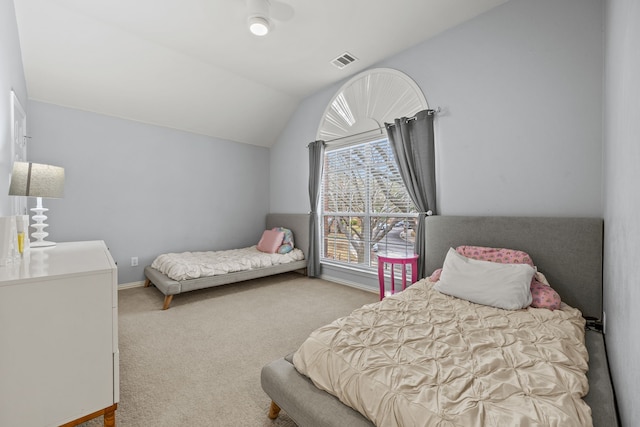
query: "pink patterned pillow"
543, 295
501, 255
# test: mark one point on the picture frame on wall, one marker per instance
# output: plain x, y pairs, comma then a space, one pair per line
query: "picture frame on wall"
18, 147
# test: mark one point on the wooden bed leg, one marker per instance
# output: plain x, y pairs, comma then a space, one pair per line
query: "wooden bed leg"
110, 416
147, 283
167, 301
274, 410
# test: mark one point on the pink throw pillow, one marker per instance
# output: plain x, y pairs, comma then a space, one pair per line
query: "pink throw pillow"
270, 241
544, 296
435, 276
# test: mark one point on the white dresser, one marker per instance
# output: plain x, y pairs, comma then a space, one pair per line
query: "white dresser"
59, 359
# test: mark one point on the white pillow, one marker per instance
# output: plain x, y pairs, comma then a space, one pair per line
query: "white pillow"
504, 286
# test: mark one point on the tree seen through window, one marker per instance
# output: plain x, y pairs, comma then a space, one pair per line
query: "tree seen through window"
365, 206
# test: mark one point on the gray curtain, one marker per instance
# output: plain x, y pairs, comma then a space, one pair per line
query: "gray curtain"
316, 161
413, 146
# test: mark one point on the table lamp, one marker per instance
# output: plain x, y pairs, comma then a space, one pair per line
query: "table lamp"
37, 180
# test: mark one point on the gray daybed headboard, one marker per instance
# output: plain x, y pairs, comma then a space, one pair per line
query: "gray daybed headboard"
568, 251
297, 223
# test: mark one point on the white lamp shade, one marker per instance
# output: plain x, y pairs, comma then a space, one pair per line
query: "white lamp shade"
37, 180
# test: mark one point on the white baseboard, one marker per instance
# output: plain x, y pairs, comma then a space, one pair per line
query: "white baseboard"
349, 283
131, 285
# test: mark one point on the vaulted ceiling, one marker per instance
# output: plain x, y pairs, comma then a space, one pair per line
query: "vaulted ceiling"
193, 64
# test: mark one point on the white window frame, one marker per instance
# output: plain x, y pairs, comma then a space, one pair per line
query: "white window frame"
369, 263
357, 113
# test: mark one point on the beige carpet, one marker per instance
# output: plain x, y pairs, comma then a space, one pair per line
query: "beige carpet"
198, 363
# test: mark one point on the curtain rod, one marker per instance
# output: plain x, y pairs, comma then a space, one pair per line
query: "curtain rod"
434, 111
356, 134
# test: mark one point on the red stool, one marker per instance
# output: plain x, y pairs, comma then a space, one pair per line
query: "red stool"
393, 260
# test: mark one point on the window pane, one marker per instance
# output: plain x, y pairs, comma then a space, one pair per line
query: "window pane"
342, 236
381, 153
357, 157
394, 235
336, 161
366, 208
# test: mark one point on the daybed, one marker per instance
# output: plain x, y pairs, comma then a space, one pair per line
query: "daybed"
569, 253
297, 223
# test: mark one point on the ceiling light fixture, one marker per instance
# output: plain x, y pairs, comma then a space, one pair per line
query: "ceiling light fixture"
259, 23
259, 26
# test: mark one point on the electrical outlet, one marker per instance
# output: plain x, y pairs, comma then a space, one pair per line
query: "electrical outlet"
134, 261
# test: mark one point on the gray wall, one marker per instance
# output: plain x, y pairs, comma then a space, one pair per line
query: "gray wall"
522, 130
523, 87
622, 202
145, 189
11, 77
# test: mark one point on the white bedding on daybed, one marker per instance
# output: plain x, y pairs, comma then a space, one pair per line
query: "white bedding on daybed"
192, 265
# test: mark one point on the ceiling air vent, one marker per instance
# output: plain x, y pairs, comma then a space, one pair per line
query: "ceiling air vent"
344, 60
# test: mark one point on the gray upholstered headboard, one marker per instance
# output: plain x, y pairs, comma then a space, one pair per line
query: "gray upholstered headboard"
567, 250
297, 223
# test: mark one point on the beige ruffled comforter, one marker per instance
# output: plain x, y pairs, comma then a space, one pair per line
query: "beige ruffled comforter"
422, 358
